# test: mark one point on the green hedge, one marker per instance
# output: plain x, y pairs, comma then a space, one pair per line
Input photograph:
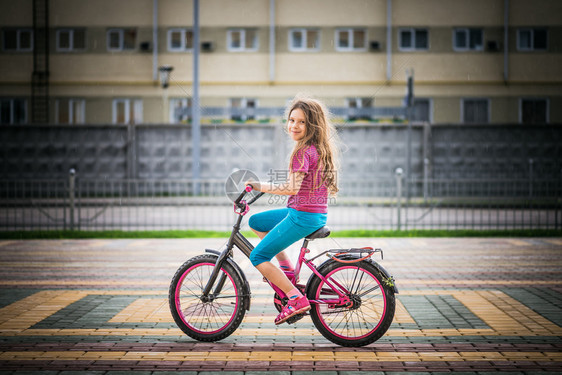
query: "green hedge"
54, 234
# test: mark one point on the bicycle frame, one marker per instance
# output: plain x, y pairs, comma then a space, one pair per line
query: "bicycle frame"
238, 240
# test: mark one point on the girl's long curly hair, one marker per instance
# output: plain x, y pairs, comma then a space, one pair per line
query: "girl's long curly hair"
321, 133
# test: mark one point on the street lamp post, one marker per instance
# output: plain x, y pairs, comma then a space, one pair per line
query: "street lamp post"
195, 107
165, 71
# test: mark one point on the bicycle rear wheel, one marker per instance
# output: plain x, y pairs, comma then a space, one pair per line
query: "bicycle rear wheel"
370, 311
206, 320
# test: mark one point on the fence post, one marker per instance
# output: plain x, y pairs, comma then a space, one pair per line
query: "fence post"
531, 161
71, 193
399, 172
558, 202
425, 179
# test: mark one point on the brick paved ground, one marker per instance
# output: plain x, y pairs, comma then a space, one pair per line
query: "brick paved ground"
473, 306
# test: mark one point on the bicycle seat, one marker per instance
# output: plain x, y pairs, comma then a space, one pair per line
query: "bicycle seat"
320, 233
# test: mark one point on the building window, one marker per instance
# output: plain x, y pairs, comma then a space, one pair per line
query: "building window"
532, 39
180, 40
413, 39
302, 40
422, 110
533, 111
127, 111
70, 111
241, 109
71, 40
13, 111
468, 39
18, 40
475, 111
180, 110
359, 108
351, 40
242, 40
121, 39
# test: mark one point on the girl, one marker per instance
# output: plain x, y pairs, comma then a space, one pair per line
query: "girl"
312, 177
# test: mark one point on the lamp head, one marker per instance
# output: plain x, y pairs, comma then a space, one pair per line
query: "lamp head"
165, 71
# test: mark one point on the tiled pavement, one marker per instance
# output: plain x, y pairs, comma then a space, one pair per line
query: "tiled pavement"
472, 306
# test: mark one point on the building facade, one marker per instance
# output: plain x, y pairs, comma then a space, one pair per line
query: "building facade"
473, 61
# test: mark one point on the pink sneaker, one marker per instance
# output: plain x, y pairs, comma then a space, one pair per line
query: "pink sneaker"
292, 308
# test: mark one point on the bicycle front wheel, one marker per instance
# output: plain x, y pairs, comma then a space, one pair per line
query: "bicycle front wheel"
371, 306
213, 318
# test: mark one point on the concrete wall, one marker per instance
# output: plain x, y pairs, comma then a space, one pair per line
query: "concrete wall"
369, 153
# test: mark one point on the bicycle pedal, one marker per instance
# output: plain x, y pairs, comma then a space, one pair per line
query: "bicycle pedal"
295, 318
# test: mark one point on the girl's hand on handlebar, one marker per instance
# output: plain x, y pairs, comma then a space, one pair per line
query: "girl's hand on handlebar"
256, 185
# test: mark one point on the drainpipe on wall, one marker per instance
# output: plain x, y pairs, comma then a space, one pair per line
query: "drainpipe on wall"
506, 41
388, 40
155, 40
271, 41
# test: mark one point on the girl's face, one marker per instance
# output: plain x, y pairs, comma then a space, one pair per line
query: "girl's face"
297, 124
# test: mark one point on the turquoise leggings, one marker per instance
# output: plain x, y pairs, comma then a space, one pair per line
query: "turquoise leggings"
285, 227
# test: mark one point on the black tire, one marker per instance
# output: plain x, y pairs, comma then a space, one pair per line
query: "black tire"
206, 321
371, 313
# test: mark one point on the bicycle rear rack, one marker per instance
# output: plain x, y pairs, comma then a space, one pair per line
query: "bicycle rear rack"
362, 253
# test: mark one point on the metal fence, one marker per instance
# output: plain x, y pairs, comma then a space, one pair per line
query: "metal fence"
85, 204
277, 112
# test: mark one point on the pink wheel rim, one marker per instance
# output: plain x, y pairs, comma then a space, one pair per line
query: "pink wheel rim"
382, 297
206, 309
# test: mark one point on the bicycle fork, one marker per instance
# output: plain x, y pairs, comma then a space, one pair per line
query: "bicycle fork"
206, 295
236, 239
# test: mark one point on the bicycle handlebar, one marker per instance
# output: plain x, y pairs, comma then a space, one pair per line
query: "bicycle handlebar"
237, 201
246, 190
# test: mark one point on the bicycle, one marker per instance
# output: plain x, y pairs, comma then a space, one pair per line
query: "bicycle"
352, 296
